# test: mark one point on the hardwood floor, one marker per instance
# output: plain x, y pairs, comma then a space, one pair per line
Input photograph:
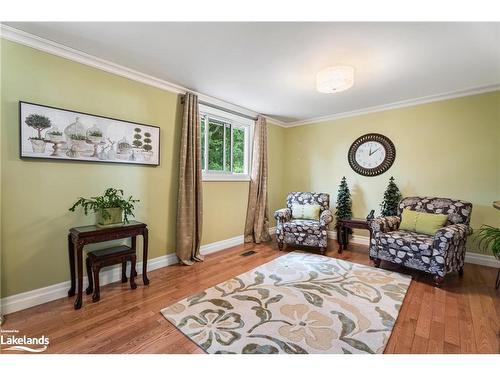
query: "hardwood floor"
461, 317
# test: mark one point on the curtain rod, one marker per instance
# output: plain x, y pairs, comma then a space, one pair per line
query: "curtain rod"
223, 109
227, 110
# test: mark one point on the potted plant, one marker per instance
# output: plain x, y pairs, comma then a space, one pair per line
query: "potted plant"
489, 240
147, 153
94, 135
39, 123
124, 149
111, 209
55, 136
137, 143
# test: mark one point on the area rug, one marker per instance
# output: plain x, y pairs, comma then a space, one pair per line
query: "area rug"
297, 303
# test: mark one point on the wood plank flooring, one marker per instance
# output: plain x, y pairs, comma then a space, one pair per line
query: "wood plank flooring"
461, 317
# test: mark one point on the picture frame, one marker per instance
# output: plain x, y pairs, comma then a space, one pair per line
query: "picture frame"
60, 134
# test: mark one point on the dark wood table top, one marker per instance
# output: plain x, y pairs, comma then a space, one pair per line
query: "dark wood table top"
94, 228
354, 221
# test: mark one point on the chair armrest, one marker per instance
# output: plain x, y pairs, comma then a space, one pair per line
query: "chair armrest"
450, 236
326, 218
385, 224
283, 214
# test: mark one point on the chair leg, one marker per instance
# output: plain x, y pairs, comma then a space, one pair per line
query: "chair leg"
322, 250
280, 246
461, 272
90, 288
438, 281
124, 271
97, 292
376, 262
497, 283
133, 285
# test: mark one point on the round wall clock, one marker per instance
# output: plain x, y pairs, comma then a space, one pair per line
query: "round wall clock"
371, 154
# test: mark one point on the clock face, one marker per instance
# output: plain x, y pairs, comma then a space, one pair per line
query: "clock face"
371, 154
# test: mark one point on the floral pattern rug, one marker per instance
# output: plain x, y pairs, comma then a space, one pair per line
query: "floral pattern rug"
297, 303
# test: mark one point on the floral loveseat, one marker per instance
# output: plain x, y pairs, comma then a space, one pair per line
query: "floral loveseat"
304, 232
439, 254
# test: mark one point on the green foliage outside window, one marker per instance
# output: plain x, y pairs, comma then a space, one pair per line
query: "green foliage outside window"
217, 132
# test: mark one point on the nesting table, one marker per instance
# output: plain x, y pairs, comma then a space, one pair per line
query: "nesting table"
78, 237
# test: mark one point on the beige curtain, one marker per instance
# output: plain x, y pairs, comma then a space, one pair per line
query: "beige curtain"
257, 222
189, 198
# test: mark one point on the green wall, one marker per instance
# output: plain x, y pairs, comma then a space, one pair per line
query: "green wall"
36, 194
447, 149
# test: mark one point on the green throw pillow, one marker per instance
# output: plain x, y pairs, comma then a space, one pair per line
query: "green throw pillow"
305, 211
422, 222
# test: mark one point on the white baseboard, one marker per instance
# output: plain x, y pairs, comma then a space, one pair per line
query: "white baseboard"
473, 258
482, 259
221, 245
36, 297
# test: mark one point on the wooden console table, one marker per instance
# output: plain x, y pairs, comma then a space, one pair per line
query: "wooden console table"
78, 237
343, 233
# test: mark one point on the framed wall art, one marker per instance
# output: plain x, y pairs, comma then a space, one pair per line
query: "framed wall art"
61, 134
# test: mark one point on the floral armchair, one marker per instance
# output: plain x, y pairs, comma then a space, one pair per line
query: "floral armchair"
304, 232
439, 254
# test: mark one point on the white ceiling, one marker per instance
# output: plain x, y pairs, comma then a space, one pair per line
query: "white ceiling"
270, 68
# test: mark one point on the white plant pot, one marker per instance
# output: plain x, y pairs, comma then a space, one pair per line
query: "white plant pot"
147, 155
56, 138
38, 145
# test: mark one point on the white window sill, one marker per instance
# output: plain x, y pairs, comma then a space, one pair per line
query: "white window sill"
224, 177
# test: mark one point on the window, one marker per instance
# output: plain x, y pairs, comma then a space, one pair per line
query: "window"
225, 145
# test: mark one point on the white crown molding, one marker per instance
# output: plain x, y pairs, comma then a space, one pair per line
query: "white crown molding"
57, 49
396, 105
45, 45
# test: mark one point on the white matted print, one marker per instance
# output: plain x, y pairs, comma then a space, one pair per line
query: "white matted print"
59, 134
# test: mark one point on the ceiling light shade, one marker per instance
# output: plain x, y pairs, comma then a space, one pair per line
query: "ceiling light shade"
335, 79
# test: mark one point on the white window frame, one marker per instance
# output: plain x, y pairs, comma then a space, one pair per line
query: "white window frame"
236, 122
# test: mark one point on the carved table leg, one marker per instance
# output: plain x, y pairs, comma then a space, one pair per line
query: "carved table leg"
134, 246
71, 254
97, 291
145, 257
438, 280
345, 237
280, 246
90, 288
133, 285
124, 271
79, 265
339, 237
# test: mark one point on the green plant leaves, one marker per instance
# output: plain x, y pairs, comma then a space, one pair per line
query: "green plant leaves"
112, 198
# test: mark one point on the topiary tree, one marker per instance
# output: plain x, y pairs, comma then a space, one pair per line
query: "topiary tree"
137, 138
38, 122
344, 202
147, 141
392, 196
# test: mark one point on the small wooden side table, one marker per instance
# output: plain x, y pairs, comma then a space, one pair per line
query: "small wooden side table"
343, 233
78, 237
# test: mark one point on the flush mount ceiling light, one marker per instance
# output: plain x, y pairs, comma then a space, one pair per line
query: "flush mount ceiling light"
335, 79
